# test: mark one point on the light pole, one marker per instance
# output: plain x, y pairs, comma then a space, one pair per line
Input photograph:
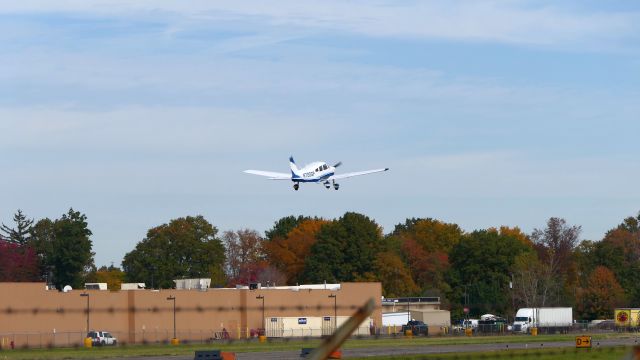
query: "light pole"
174, 314
408, 310
335, 311
261, 297
87, 296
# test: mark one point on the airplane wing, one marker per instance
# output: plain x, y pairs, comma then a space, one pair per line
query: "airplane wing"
270, 174
358, 173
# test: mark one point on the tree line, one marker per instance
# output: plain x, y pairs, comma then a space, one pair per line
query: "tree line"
495, 270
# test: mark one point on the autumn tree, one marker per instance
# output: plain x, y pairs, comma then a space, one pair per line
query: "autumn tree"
513, 232
526, 276
246, 260
21, 232
346, 250
619, 251
428, 269
111, 275
601, 295
425, 245
288, 254
17, 263
184, 248
394, 275
555, 245
431, 234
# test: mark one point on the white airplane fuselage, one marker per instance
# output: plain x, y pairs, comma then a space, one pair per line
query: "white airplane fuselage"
313, 172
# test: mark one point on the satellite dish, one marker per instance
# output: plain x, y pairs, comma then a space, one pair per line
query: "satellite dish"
67, 288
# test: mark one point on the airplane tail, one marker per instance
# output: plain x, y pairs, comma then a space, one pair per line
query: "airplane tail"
294, 168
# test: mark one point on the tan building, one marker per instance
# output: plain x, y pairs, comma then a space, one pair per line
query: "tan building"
31, 315
426, 309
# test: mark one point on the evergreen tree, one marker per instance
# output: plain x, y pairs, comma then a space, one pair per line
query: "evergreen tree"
20, 234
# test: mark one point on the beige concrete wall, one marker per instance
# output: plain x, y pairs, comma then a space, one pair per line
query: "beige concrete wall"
437, 320
52, 317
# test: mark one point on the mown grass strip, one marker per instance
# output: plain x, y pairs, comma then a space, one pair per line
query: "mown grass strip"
276, 345
609, 353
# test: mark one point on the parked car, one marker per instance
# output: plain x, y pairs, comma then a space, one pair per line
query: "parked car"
417, 327
100, 338
604, 324
470, 324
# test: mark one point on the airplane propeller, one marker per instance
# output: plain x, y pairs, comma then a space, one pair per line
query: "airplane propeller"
338, 164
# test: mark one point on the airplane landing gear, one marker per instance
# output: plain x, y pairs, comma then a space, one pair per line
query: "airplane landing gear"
336, 185
327, 185
296, 186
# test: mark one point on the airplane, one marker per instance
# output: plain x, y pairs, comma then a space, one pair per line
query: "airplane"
316, 172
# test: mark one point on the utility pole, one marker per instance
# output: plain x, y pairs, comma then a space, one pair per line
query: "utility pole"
261, 297
87, 296
408, 310
174, 315
335, 311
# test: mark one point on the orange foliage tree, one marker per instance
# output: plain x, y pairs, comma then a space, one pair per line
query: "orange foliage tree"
394, 275
288, 253
425, 245
601, 295
514, 232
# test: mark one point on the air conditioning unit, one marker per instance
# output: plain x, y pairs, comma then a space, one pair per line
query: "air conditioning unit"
255, 286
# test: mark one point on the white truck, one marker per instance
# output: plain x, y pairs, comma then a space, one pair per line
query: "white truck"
547, 319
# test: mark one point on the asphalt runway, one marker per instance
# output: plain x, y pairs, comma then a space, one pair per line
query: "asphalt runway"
416, 350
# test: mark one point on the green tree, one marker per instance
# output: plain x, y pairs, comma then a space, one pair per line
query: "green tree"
42, 240
631, 224
185, 248
21, 233
72, 256
345, 250
283, 226
480, 266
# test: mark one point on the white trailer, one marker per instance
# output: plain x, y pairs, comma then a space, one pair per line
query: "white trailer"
395, 318
547, 319
309, 326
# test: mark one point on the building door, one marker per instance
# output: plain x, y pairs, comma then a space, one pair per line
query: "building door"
275, 327
327, 325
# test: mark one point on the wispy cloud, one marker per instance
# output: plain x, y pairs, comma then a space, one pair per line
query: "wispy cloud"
519, 22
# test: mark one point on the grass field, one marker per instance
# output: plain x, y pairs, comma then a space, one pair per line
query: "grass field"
281, 345
611, 353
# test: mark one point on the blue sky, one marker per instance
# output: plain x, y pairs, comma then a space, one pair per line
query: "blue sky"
488, 113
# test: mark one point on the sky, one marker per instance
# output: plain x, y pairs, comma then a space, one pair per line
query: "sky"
488, 113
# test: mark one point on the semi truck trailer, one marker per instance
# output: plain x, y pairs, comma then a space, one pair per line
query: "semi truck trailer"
545, 319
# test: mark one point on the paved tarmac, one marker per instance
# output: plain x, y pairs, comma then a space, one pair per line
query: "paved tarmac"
413, 350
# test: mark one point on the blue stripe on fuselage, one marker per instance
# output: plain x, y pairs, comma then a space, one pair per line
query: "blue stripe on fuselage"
322, 178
